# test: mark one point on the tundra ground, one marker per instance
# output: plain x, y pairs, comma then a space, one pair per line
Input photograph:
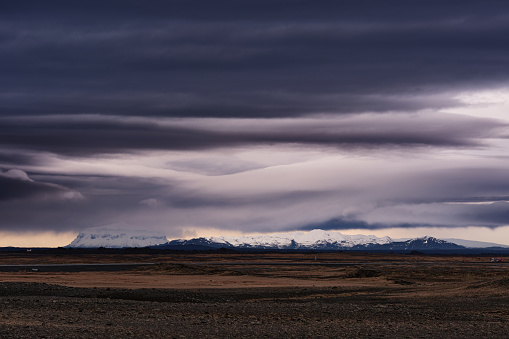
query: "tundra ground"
257, 295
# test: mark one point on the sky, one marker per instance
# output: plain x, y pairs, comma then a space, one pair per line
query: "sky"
198, 118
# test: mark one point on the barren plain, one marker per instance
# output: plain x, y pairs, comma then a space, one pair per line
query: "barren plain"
231, 295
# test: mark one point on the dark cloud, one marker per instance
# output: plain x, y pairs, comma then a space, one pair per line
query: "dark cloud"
346, 224
267, 59
338, 224
15, 185
455, 215
428, 198
189, 200
89, 135
202, 10
416, 199
14, 159
491, 215
460, 215
37, 206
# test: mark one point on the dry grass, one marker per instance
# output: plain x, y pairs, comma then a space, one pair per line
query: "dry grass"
390, 296
408, 274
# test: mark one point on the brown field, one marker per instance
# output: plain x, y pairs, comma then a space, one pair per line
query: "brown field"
211, 295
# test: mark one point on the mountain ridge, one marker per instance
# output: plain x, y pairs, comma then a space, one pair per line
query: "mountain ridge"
317, 239
335, 242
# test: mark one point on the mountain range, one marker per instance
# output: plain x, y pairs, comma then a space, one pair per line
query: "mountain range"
313, 240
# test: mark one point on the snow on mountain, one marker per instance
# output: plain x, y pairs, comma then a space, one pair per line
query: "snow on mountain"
117, 238
475, 244
312, 239
316, 240
425, 243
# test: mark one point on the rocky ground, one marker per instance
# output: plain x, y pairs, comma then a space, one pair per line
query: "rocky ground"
392, 301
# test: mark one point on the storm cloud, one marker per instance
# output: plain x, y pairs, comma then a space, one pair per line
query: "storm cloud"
264, 59
16, 185
253, 116
102, 134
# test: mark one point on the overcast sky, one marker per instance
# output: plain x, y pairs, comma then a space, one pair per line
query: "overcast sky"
227, 117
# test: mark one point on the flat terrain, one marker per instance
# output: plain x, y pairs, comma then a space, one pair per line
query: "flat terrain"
255, 295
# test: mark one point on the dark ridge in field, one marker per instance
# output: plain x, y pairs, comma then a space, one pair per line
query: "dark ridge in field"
173, 295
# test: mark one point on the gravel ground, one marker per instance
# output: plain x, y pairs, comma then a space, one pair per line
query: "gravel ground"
37, 310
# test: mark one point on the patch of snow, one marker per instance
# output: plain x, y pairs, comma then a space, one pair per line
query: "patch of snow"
314, 238
117, 238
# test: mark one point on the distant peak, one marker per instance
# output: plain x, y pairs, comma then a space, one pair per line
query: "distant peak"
117, 238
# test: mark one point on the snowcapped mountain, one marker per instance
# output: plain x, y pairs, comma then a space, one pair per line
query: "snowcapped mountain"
420, 244
315, 239
312, 240
116, 238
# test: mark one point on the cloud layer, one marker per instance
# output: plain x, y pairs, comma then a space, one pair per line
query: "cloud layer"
111, 134
268, 59
253, 117
16, 185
